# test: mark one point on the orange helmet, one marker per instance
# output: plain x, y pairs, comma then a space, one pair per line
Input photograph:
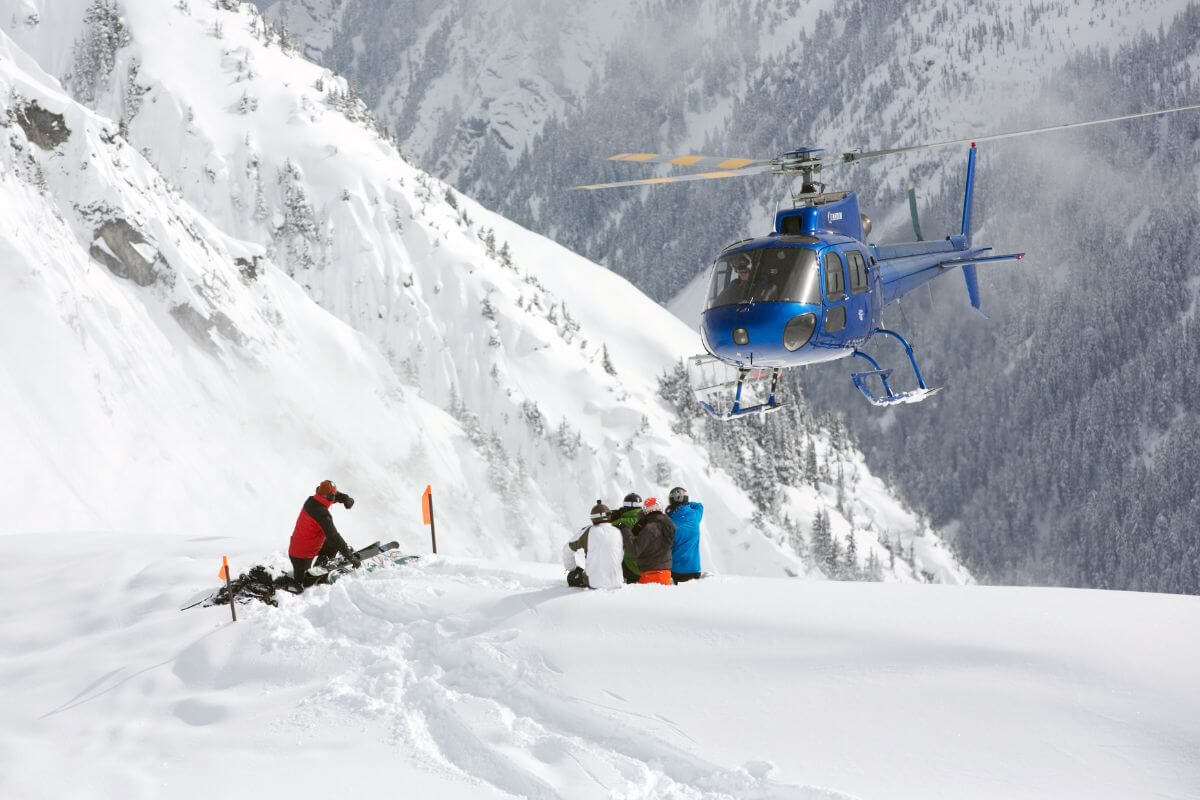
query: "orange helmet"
327, 489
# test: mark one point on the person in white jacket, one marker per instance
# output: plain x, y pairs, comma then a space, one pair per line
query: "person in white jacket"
603, 550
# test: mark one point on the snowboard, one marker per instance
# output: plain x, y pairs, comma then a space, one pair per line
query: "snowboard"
338, 567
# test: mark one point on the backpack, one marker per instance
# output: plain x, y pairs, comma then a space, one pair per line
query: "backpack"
578, 578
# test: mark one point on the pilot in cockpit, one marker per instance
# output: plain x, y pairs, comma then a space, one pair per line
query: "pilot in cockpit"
739, 265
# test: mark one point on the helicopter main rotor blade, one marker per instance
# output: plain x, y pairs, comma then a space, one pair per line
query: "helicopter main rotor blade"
691, 176
851, 156
699, 162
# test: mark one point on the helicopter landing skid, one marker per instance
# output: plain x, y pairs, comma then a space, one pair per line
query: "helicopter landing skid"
736, 409
890, 397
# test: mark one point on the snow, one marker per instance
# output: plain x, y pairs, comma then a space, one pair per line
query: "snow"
470, 678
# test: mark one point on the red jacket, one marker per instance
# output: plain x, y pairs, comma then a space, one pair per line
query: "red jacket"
313, 527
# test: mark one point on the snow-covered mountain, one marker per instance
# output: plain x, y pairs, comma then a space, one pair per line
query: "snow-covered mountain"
999, 456
423, 339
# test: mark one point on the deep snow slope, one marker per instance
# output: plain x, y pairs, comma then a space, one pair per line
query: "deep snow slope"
461, 678
151, 382
546, 363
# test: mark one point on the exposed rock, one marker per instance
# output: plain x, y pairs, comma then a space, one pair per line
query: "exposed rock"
44, 128
199, 327
249, 267
116, 246
226, 329
195, 325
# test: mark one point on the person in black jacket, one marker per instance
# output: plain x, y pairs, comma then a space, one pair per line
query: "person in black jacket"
624, 518
650, 542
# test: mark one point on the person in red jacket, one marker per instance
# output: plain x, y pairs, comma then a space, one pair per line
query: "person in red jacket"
315, 535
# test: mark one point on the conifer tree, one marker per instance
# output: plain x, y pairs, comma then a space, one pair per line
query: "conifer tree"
95, 54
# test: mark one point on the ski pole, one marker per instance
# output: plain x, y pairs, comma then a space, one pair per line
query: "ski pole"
224, 573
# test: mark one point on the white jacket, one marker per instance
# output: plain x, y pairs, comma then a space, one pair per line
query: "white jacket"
603, 551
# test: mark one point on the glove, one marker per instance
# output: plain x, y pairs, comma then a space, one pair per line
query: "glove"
345, 499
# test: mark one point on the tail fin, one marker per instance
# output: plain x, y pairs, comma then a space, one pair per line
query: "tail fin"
969, 274
912, 210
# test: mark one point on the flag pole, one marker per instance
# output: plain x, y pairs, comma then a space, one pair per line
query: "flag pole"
427, 513
228, 586
432, 527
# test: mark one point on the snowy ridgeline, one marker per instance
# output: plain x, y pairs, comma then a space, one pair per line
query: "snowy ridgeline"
244, 289
456, 678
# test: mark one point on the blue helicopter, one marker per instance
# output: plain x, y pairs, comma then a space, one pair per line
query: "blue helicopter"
813, 290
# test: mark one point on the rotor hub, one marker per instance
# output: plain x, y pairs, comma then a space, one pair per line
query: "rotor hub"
807, 162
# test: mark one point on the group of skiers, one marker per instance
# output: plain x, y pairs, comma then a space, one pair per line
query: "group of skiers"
638, 543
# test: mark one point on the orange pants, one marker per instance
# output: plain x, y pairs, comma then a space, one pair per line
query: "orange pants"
662, 576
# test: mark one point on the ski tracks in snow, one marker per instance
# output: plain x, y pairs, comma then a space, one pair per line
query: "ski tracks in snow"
449, 657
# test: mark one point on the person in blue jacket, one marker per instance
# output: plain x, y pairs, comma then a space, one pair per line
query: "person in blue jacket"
685, 555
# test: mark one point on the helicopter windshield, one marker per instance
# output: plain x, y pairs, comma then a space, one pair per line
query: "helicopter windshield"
769, 275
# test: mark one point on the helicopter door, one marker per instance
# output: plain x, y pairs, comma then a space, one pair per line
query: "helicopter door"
859, 320
834, 323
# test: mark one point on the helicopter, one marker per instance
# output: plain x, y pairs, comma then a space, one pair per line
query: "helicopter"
813, 290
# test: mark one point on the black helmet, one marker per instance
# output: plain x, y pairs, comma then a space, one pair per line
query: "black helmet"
599, 512
678, 495
632, 500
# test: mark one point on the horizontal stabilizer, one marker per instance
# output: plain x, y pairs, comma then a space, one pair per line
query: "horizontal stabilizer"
955, 262
972, 278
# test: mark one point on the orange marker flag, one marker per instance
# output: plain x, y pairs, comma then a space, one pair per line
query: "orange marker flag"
224, 575
427, 515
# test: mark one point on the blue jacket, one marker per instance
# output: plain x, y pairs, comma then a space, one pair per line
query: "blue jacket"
685, 555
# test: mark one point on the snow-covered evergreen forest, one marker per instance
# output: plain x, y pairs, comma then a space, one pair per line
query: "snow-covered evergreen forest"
1063, 451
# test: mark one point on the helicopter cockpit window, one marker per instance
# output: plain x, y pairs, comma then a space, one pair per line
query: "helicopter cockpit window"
770, 275
835, 282
858, 273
